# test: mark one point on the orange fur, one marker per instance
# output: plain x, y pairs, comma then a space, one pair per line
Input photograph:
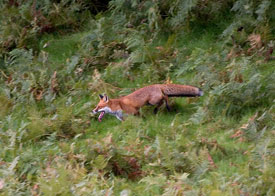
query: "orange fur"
154, 95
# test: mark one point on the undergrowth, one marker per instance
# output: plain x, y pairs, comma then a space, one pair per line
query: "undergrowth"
57, 56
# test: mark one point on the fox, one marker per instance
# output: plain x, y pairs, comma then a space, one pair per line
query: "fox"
155, 94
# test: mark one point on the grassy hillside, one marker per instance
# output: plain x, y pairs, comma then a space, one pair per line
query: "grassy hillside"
56, 58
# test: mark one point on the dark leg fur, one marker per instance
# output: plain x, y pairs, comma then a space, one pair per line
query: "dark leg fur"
140, 115
166, 103
157, 108
168, 107
137, 114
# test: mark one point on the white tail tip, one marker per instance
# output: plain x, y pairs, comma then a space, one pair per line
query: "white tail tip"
200, 92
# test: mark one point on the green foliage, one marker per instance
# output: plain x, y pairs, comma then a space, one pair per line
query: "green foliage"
5, 105
250, 16
23, 23
235, 86
55, 59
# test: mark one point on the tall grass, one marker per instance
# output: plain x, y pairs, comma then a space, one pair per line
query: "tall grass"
221, 143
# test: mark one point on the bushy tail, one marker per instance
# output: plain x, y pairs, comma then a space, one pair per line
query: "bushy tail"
178, 90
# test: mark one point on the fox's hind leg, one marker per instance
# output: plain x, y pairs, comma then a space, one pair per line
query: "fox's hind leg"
166, 103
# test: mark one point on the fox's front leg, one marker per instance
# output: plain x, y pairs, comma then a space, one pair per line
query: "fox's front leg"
158, 106
119, 116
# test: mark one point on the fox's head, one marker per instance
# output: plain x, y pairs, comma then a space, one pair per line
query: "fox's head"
104, 106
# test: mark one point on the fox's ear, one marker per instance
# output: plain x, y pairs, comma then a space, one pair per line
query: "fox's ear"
100, 96
106, 98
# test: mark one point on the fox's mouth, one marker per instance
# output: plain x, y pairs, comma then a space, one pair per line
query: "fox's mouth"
101, 116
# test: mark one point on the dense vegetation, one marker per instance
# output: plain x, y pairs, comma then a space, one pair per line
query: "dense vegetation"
56, 56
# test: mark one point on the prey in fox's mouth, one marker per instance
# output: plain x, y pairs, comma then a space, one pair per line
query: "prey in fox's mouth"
101, 116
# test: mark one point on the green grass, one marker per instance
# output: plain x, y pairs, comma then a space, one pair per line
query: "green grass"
61, 48
219, 144
66, 151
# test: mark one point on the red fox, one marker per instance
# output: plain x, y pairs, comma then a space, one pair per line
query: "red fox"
154, 94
